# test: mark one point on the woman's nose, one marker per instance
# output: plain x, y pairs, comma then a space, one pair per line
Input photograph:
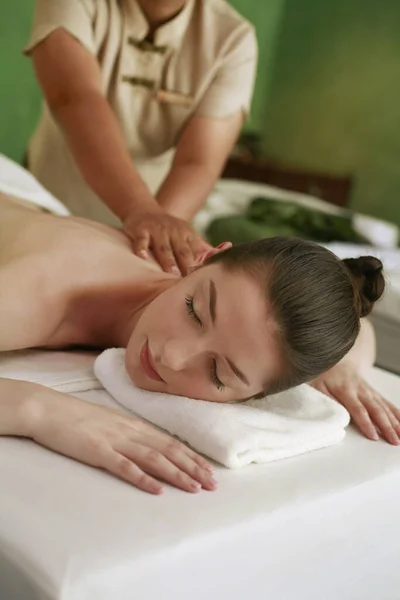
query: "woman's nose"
178, 354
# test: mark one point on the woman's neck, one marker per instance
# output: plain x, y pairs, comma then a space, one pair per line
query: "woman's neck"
131, 309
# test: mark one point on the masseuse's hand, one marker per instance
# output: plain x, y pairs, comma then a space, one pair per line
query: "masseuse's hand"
107, 439
173, 242
369, 410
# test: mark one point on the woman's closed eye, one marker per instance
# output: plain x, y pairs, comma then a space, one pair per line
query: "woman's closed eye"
214, 377
191, 311
189, 301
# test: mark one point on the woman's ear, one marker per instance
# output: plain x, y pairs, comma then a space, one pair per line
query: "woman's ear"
203, 256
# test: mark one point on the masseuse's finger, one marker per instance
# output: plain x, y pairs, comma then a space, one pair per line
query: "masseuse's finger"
184, 254
164, 254
155, 463
120, 466
140, 244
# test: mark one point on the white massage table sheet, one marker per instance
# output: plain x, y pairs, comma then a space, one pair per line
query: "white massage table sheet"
322, 525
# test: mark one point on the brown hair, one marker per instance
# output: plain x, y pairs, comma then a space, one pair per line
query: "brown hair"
317, 300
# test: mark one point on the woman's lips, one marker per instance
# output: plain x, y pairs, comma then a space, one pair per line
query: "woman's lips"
146, 362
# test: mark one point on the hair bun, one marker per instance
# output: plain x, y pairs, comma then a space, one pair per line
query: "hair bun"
368, 280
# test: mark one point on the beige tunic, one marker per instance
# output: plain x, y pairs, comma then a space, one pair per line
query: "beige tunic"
200, 63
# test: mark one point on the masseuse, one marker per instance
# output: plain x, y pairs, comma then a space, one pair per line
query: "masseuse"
144, 99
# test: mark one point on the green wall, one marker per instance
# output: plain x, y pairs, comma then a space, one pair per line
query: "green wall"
334, 98
266, 16
19, 95
327, 93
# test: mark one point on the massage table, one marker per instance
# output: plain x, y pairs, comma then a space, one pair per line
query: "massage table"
319, 526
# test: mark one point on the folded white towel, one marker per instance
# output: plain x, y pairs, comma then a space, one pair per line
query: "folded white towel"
259, 431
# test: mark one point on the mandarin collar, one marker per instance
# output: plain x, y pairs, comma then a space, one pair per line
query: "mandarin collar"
170, 34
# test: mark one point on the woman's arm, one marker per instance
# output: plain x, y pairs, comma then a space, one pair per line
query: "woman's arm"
14, 408
345, 383
100, 437
70, 79
363, 353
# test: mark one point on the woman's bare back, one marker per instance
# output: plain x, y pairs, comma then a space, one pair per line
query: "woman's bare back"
62, 278
50, 267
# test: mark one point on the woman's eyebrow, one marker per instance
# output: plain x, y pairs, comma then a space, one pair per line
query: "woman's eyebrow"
213, 314
213, 300
237, 372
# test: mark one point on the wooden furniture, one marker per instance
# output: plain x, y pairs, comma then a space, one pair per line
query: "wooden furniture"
333, 189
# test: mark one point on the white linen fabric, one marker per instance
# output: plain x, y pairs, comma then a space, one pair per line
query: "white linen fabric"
18, 182
67, 372
257, 431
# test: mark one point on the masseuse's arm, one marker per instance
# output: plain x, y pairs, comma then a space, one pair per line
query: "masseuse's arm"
346, 383
199, 159
70, 79
210, 134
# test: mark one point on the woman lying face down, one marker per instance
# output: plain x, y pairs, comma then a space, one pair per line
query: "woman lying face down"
253, 319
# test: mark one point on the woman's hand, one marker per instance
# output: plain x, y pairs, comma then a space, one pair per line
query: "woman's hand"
370, 412
173, 242
107, 439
